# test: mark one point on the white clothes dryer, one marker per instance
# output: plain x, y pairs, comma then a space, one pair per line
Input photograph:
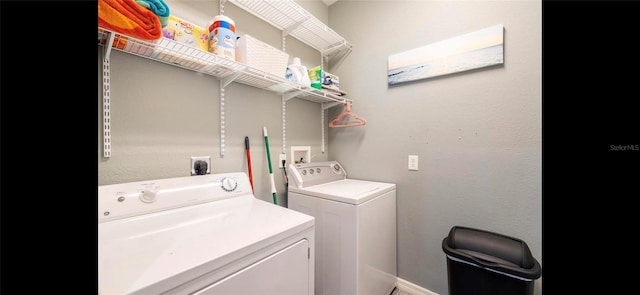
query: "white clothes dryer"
201, 235
355, 223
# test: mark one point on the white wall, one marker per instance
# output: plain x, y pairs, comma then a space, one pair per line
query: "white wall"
478, 134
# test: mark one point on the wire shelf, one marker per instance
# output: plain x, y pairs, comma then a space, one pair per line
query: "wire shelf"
289, 17
177, 54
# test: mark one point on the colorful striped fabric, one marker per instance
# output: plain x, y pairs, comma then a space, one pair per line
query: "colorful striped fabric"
129, 18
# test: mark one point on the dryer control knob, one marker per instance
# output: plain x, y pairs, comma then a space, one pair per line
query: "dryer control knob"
148, 196
229, 184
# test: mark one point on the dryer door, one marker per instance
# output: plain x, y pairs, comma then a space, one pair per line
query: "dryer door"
284, 272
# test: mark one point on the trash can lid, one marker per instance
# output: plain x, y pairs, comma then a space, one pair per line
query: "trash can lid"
492, 250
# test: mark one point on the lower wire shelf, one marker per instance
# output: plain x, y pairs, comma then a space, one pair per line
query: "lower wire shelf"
181, 55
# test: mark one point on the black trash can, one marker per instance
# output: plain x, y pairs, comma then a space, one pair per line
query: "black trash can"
482, 262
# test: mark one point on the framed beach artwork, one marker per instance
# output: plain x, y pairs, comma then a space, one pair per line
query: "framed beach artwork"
479, 49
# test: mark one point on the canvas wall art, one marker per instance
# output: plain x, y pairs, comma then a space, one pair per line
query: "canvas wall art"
479, 49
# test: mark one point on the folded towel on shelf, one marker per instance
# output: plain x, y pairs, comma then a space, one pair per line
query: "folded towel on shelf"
129, 18
158, 7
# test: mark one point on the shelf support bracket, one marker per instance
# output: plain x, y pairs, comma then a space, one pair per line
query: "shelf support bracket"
322, 108
222, 6
291, 94
284, 41
107, 46
327, 105
106, 100
290, 29
284, 124
224, 82
222, 119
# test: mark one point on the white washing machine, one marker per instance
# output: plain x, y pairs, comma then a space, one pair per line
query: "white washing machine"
355, 223
202, 234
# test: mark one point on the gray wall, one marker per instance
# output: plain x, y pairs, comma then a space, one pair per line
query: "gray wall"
478, 134
162, 115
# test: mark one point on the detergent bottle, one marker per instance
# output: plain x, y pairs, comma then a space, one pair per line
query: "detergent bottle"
298, 73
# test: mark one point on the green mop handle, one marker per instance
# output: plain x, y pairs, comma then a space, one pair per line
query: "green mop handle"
273, 183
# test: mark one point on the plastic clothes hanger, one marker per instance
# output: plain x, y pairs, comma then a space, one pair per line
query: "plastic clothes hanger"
347, 118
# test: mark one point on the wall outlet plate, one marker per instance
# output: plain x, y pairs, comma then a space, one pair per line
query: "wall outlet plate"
202, 158
413, 162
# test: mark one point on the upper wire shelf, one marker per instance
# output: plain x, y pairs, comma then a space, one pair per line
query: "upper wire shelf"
294, 20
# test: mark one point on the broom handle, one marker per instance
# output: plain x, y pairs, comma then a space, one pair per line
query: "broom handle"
273, 183
246, 145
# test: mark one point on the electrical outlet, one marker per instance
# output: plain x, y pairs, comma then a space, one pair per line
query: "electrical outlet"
283, 157
194, 160
413, 162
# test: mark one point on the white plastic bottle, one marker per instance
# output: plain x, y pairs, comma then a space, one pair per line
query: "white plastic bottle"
298, 73
222, 37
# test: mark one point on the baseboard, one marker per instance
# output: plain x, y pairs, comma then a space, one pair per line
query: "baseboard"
412, 288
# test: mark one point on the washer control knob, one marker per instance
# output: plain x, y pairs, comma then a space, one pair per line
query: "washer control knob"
229, 184
148, 196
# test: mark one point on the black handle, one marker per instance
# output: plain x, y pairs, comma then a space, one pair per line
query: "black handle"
246, 142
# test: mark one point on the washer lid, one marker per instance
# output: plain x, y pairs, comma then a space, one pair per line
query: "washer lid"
351, 191
153, 253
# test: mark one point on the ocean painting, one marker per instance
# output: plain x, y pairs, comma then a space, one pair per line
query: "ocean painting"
474, 50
